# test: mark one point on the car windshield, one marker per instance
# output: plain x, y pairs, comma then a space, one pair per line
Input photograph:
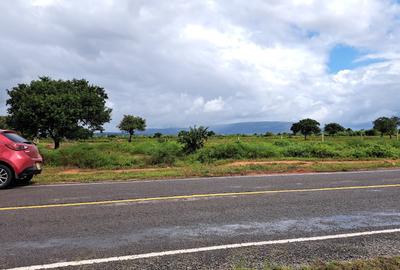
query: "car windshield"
15, 137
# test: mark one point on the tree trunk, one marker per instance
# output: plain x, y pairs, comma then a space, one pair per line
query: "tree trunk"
56, 143
305, 137
130, 137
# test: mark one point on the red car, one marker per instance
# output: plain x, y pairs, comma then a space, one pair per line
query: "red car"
19, 158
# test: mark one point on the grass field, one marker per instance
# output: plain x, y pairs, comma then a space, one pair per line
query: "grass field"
115, 158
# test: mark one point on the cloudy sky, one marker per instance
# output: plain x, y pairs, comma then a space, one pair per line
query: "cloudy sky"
179, 63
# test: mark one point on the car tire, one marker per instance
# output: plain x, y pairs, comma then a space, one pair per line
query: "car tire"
6, 176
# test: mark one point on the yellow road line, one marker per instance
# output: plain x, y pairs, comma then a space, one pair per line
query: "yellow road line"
227, 194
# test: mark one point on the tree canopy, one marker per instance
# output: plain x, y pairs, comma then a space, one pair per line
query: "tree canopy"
333, 128
386, 125
130, 123
56, 108
3, 122
306, 127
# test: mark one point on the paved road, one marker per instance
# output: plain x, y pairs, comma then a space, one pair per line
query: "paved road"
73, 223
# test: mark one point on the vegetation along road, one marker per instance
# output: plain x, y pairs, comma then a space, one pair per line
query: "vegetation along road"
210, 223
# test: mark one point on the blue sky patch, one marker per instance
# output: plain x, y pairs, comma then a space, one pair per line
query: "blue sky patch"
312, 34
346, 57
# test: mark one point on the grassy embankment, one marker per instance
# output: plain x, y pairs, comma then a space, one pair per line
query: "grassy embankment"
382, 263
145, 158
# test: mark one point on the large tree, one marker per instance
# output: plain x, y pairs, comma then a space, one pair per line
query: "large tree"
56, 108
130, 123
333, 128
386, 125
306, 127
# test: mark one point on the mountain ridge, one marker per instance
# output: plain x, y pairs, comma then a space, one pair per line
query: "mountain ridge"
259, 127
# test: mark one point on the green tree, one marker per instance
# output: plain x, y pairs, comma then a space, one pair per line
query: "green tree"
79, 133
130, 123
306, 127
3, 122
157, 135
333, 128
193, 139
349, 132
295, 128
211, 133
371, 132
386, 125
55, 108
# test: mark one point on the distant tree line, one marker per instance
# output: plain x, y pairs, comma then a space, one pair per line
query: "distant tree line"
382, 125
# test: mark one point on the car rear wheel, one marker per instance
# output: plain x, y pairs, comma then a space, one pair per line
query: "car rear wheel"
6, 176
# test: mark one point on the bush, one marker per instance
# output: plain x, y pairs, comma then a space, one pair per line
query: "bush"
356, 143
84, 155
193, 139
237, 150
165, 153
282, 143
380, 151
315, 150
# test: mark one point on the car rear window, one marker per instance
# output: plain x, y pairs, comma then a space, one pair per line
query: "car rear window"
15, 137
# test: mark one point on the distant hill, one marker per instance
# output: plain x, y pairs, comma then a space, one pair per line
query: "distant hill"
239, 128
234, 128
252, 127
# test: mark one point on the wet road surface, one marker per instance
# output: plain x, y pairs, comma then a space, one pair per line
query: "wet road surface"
73, 223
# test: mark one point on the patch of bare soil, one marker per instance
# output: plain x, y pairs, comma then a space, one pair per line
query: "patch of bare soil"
303, 163
306, 163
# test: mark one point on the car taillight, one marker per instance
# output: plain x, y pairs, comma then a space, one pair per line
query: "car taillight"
17, 146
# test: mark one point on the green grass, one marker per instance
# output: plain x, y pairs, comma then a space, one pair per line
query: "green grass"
149, 158
382, 263
145, 152
60, 174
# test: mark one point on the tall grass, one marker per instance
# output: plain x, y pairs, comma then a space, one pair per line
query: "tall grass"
152, 152
112, 155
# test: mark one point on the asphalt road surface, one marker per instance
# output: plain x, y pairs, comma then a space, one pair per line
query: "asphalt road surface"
209, 223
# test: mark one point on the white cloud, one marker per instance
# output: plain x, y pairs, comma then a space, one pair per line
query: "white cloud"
214, 105
180, 62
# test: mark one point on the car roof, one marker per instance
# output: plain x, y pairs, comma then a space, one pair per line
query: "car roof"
6, 130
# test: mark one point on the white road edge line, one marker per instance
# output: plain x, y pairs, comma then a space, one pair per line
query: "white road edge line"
202, 249
272, 175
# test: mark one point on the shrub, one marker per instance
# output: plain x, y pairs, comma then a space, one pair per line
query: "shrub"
356, 143
323, 151
237, 150
157, 135
316, 150
282, 143
193, 139
380, 151
165, 153
83, 155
